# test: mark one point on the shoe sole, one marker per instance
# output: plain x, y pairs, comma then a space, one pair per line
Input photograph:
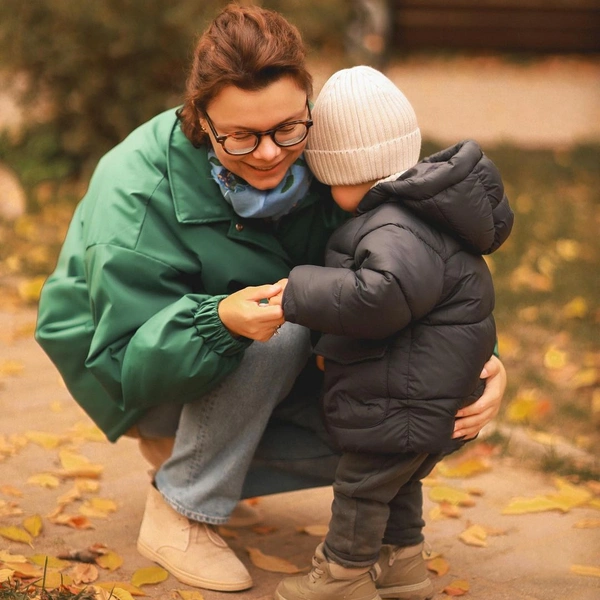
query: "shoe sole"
188, 579
417, 591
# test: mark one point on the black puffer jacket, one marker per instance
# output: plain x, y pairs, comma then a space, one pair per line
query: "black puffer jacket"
406, 301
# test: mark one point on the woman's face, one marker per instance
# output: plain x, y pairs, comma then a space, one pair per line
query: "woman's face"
234, 110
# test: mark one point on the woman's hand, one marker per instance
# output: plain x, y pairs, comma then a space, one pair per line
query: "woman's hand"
471, 419
243, 313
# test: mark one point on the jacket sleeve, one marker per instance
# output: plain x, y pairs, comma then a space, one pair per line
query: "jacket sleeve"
154, 340
395, 278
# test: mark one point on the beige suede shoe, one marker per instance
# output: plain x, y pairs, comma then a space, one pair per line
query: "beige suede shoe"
193, 552
403, 573
329, 581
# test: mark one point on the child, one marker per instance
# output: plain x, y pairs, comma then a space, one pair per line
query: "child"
405, 302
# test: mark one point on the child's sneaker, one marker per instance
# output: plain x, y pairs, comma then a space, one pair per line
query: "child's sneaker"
329, 581
403, 573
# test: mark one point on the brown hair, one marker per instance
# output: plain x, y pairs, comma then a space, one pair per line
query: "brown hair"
248, 47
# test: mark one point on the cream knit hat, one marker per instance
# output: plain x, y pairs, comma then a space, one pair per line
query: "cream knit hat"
364, 129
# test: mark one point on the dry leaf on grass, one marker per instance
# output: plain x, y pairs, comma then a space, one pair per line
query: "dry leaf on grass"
83, 573
116, 593
123, 585
51, 561
6, 574
274, 564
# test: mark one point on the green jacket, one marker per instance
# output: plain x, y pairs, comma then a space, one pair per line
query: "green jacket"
129, 316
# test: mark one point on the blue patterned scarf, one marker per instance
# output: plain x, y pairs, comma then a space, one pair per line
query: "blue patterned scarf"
249, 202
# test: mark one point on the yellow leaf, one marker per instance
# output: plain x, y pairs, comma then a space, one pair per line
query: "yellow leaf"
451, 496
120, 594
459, 587
466, 468
75, 465
24, 570
570, 495
9, 509
111, 561
14, 558
123, 585
29, 290
33, 525
587, 524
439, 566
273, 564
185, 595
554, 358
474, 536
49, 441
319, 531
148, 575
584, 378
585, 570
521, 506
87, 485
53, 562
5, 574
576, 308
90, 433
568, 249
11, 490
11, 367
16, 534
44, 480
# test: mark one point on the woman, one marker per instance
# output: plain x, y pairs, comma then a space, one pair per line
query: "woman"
161, 286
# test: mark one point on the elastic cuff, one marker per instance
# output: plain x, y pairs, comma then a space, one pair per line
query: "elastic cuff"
211, 329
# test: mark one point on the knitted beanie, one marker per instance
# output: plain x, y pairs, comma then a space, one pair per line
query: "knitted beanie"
364, 129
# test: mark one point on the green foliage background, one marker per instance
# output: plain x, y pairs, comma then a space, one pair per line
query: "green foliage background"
103, 67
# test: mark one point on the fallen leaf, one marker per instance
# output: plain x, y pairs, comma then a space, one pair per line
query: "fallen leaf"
459, 587
185, 595
587, 524
520, 506
33, 525
98, 507
52, 562
76, 465
585, 570
10, 490
48, 441
439, 566
274, 564
24, 570
74, 521
111, 561
14, 558
475, 535
569, 495
11, 367
44, 480
147, 575
584, 378
555, 358
576, 308
83, 573
9, 509
16, 534
319, 531
6, 574
123, 585
451, 496
30, 289
466, 468
87, 485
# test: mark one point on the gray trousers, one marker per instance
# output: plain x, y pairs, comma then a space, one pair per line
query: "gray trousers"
377, 499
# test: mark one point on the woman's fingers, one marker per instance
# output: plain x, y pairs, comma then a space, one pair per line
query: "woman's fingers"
471, 419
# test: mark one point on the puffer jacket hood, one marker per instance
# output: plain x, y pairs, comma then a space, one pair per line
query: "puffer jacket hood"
458, 190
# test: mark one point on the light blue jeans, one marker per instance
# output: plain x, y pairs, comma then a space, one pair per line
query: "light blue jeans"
258, 432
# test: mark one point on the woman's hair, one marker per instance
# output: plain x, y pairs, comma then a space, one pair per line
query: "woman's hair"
248, 47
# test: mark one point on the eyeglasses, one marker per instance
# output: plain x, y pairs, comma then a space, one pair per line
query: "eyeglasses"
244, 142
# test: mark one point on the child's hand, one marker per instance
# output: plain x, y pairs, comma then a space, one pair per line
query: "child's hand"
320, 362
